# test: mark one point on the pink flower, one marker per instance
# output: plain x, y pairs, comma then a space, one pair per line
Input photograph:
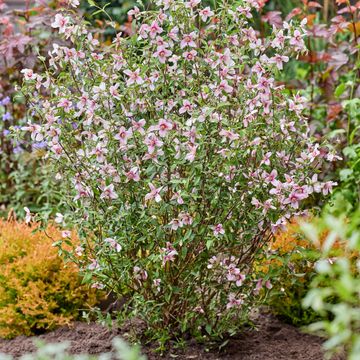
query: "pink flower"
65, 104
154, 29
190, 156
235, 275
114, 92
113, 244
60, 22
162, 54
187, 107
175, 224
225, 58
29, 74
233, 302
133, 174
293, 199
223, 86
138, 126
109, 193
153, 194
246, 11
190, 55
185, 218
134, 12
188, 40
178, 198
206, 13
123, 135
266, 158
140, 274
297, 40
79, 250
327, 187
164, 127
256, 203
218, 230
66, 234
169, 253
270, 178
279, 40
100, 151
152, 141
35, 131
134, 77
94, 265
279, 60
192, 3
227, 134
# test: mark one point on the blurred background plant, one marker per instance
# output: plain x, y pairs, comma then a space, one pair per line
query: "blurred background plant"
335, 289
59, 351
24, 35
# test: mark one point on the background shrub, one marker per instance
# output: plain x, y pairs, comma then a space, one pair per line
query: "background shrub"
291, 261
335, 289
37, 291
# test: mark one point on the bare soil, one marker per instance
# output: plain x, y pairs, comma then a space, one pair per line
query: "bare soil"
270, 340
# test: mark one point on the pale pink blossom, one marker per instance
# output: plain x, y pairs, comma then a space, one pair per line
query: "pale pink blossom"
153, 142
218, 230
154, 193
154, 29
233, 302
29, 74
123, 135
188, 40
192, 3
134, 77
190, 55
109, 193
206, 13
133, 174
162, 54
60, 22
113, 243
187, 107
279, 60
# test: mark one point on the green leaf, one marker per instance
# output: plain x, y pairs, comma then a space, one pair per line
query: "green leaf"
340, 90
345, 174
91, 3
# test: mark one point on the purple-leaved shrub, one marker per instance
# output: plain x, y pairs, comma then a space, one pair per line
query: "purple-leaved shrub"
182, 157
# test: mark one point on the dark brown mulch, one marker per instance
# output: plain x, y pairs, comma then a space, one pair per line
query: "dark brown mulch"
272, 340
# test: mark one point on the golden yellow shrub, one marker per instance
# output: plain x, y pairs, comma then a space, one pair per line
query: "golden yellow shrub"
37, 291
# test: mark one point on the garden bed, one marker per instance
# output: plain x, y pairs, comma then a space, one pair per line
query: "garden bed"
271, 340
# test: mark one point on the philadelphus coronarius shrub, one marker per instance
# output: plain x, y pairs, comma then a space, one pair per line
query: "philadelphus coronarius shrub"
182, 157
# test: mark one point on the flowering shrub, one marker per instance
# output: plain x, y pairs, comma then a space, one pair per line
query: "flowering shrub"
181, 156
36, 292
